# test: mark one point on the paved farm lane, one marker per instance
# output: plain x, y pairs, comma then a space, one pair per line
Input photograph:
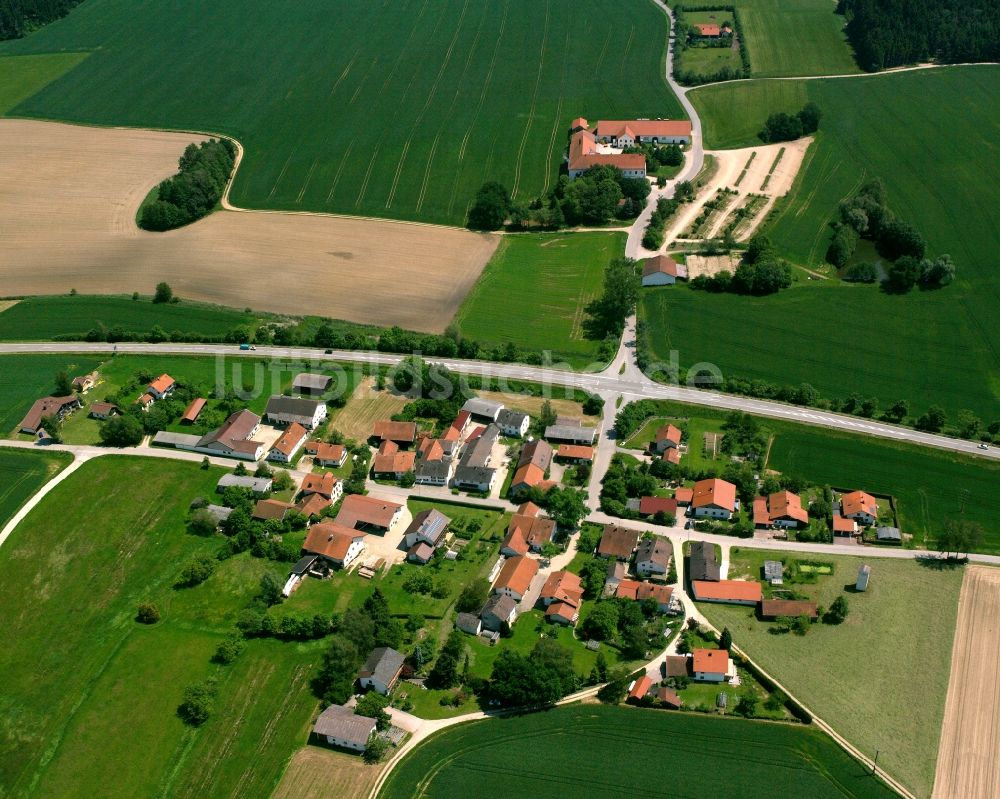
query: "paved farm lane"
694, 158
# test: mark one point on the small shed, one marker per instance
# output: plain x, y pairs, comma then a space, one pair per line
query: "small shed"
864, 574
774, 572
889, 535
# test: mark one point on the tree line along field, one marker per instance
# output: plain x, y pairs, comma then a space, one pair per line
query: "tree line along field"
927, 347
567, 751
22, 474
397, 110
108, 537
880, 688
535, 290
794, 37
51, 317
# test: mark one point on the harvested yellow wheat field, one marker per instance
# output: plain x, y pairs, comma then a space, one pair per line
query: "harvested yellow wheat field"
970, 736
315, 773
68, 200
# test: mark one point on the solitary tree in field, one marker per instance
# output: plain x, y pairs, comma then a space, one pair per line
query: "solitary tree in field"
490, 209
163, 293
837, 612
147, 613
726, 639
64, 386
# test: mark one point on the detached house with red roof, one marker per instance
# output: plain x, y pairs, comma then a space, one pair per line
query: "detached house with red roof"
288, 443
161, 387
667, 437
562, 596
515, 577
714, 498
859, 506
712, 665
781, 509
336, 543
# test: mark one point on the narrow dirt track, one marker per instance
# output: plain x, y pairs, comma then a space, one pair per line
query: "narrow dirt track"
67, 208
969, 753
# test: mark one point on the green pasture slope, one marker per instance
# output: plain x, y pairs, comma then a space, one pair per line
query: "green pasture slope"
795, 37
90, 693
595, 750
22, 473
878, 686
42, 318
534, 290
25, 378
938, 347
397, 110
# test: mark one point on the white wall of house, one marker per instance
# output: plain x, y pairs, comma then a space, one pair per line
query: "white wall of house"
713, 511
705, 676
345, 744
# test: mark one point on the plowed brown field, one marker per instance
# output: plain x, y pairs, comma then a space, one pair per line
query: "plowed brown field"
969, 754
68, 199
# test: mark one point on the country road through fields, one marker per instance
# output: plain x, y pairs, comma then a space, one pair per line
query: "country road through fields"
630, 386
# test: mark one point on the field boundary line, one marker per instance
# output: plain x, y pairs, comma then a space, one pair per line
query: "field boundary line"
534, 101
34, 499
893, 71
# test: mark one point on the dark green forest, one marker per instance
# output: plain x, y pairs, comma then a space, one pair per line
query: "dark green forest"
894, 33
18, 17
194, 191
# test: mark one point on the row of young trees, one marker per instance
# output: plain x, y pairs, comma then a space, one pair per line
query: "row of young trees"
867, 215
653, 236
893, 33
195, 190
19, 17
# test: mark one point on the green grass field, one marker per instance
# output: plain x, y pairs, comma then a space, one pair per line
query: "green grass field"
877, 687
795, 37
22, 76
535, 289
397, 110
42, 318
29, 377
88, 691
22, 473
595, 750
927, 347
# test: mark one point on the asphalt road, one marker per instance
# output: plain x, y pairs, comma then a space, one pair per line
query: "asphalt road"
694, 156
631, 385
